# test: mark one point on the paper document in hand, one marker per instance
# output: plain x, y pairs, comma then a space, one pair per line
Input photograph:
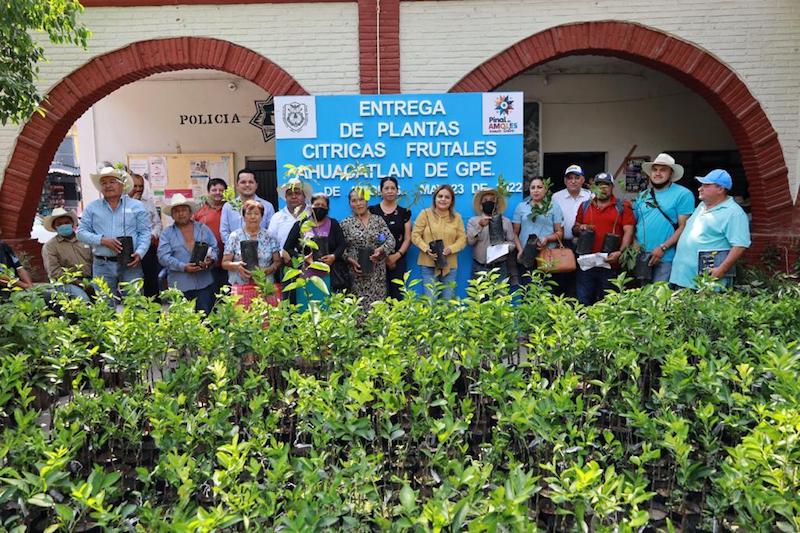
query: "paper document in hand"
593, 260
497, 251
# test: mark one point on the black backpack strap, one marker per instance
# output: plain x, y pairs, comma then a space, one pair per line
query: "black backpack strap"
655, 203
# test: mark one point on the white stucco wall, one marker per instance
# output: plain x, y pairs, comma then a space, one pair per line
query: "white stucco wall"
758, 40
317, 44
145, 117
613, 112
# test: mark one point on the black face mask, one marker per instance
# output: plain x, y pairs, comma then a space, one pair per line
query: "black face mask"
319, 213
488, 208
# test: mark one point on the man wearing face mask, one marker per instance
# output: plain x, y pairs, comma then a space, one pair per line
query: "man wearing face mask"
65, 251
612, 221
661, 214
490, 233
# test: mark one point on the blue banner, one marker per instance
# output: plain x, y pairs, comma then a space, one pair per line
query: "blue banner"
466, 140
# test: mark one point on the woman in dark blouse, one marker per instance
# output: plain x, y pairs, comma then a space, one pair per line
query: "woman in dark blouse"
398, 219
327, 233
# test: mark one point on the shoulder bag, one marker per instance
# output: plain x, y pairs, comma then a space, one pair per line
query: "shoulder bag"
556, 260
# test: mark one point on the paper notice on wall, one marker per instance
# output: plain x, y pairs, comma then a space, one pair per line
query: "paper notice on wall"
139, 166
199, 186
199, 168
158, 198
220, 169
157, 167
169, 193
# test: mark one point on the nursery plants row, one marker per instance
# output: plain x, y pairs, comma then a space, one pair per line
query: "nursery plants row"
652, 410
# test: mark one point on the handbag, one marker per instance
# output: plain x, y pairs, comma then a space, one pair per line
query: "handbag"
557, 260
249, 291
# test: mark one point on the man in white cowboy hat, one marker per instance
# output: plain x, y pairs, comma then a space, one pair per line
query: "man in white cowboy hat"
65, 251
488, 245
176, 248
110, 217
715, 237
296, 193
661, 212
231, 218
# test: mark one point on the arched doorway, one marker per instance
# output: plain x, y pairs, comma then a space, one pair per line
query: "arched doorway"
756, 139
38, 140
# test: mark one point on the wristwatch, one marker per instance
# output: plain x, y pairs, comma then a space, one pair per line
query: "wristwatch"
663, 248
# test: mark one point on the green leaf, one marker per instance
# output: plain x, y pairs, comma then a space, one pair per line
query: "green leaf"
319, 284
407, 498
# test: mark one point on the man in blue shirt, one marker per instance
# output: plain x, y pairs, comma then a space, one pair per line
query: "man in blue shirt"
661, 214
231, 218
112, 216
176, 248
718, 232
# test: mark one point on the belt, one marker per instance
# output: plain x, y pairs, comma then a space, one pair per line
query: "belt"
105, 258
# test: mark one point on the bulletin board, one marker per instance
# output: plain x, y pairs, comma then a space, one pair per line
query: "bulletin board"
187, 174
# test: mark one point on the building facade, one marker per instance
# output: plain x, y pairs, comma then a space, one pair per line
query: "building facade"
732, 66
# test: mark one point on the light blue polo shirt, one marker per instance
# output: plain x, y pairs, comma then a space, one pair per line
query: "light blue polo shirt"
720, 228
652, 228
541, 227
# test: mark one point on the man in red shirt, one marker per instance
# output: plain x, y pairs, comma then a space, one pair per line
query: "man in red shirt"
210, 215
613, 222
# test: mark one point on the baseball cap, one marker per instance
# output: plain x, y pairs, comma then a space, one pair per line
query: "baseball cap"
574, 169
604, 177
717, 177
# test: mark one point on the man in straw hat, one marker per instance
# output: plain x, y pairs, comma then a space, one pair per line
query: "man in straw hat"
109, 218
65, 251
715, 237
661, 213
176, 248
296, 193
490, 233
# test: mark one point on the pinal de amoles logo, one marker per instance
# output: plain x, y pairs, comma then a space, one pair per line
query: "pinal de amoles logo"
504, 105
502, 121
295, 116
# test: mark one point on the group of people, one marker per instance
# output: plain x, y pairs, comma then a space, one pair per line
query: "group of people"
220, 243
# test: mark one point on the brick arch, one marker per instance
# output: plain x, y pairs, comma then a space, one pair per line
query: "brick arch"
40, 137
756, 139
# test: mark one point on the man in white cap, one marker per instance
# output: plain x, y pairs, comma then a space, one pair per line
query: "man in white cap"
110, 217
176, 248
715, 237
65, 251
661, 213
297, 194
569, 200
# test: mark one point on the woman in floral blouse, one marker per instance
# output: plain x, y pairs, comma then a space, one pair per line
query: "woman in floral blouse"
369, 241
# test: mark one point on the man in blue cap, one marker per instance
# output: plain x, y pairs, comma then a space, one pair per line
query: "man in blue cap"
715, 236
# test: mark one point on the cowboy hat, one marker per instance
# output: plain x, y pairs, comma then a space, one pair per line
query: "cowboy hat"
179, 199
120, 174
477, 200
57, 213
295, 183
666, 160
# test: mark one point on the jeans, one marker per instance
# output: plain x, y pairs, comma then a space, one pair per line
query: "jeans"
73, 291
203, 298
114, 274
429, 276
662, 271
501, 267
591, 285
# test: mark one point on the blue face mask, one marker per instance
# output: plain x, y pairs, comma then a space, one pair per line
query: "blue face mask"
65, 230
